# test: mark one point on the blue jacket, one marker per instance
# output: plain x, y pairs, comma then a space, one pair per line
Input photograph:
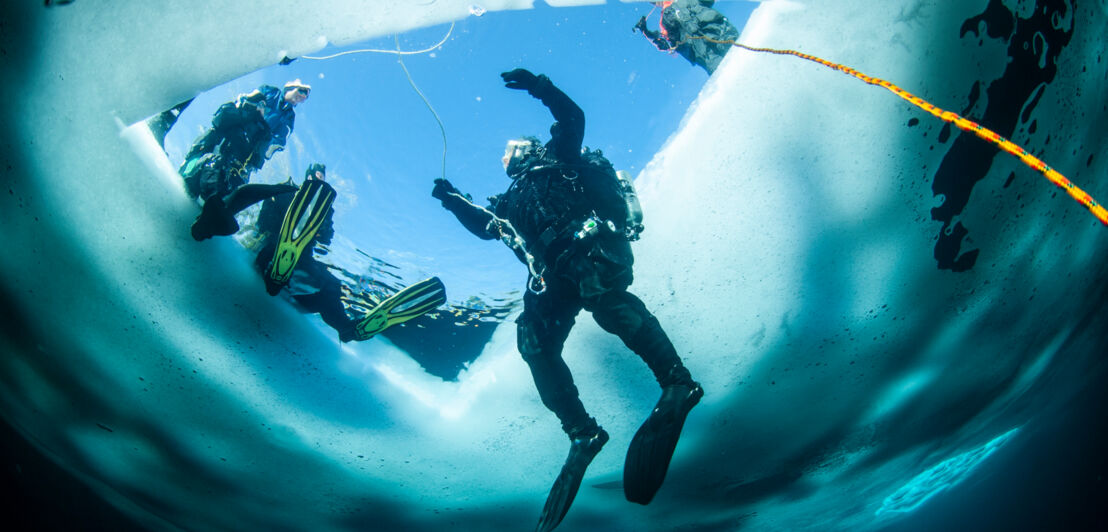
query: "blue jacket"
279, 114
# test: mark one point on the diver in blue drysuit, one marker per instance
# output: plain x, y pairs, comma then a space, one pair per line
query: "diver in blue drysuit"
244, 134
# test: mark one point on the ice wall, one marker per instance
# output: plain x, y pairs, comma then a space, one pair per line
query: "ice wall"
796, 232
791, 252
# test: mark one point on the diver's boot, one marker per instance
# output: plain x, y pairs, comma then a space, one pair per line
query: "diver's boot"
214, 219
346, 332
581, 452
652, 447
303, 219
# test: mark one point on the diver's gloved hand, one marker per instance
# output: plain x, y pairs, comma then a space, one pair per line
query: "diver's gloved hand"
640, 25
251, 106
443, 189
272, 150
520, 79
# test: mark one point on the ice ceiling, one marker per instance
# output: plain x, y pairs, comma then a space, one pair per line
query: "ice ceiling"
868, 298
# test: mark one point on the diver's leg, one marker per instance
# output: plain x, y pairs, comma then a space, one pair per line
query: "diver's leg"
712, 61
214, 219
251, 193
220, 181
699, 54
651, 450
217, 218
623, 314
261, 262
203, 144
541, 332
330, 308
717, 51
198, 174
327, 302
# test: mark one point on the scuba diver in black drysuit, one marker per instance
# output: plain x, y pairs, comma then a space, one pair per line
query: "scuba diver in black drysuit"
681, 21
244, 134
566, 217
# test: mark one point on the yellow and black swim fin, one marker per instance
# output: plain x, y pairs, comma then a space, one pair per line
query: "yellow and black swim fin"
305, 216
411, 302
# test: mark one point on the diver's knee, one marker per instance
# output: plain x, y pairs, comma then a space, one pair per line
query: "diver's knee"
620, 312
527, 338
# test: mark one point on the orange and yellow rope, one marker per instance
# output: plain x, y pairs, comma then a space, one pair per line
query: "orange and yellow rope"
961, 122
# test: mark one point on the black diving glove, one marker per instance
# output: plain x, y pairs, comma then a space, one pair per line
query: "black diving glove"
520, 79
640, 25
443, 189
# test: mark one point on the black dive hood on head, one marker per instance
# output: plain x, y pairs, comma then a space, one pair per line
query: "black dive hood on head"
520, 153
312, 168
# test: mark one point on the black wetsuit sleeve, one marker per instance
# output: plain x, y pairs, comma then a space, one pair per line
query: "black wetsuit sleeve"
659, 42
475, 219
568, 131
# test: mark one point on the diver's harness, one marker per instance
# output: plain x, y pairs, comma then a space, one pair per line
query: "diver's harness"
590, 227
511, 238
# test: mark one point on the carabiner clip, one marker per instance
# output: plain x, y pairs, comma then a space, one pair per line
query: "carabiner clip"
531, 285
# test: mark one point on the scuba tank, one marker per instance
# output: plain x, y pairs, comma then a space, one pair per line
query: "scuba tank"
592, 226
633, 225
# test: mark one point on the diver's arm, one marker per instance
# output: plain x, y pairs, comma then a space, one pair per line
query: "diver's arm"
661, 43
278, 138
258, 95
280, 120
475, 219
568, 130
655, 37
261, 153
254, 97
255, 101
657, 40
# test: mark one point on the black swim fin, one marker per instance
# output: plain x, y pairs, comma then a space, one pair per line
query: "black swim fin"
411, 302
564, 490
305, 216
652, 447
161, 123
